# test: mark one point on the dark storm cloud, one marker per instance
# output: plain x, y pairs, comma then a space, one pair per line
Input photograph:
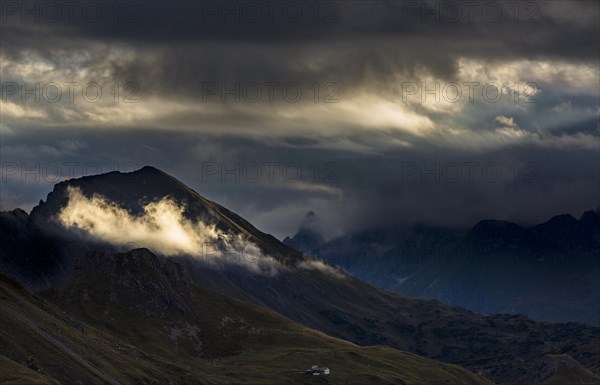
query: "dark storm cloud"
363, 159
151, 22
382, 37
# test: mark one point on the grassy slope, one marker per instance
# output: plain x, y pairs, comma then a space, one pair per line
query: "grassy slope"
50, 342
567, 375
129, 347
13, 374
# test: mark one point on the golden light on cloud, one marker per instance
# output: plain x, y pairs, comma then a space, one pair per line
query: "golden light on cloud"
163, 229
13, 110
366, 111
570, 76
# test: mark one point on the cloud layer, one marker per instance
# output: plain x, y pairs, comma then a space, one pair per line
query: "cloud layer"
408, 87
163, 229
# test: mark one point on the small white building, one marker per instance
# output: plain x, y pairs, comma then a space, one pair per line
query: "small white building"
317, 371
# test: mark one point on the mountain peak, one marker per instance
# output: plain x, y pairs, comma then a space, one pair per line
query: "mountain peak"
149, 168
563, 219
150, 196
16, 214
131, 191
493, 223
499, 234
494, 226
590, 216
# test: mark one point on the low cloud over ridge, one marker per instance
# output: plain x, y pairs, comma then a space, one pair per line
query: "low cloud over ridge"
163, 229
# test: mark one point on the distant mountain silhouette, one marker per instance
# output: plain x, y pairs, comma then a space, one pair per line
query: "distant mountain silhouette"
550, 271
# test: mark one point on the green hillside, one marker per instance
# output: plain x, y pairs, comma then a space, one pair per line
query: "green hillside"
132, 319
564, 370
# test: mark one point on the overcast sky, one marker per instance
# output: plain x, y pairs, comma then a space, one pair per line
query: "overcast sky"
367, 113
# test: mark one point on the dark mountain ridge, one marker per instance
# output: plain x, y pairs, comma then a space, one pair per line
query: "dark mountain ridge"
133, 190
550, 271
318, 296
